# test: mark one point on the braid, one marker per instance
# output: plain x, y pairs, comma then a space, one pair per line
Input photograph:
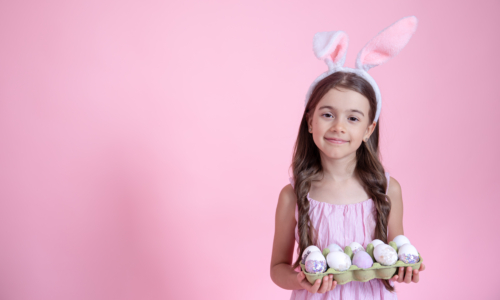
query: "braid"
372, 176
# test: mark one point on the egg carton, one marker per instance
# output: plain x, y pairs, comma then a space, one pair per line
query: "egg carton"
358, 274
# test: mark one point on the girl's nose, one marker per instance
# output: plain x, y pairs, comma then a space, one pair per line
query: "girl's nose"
338, 125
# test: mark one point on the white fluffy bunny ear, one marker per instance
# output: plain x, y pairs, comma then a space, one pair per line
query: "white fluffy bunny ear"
387, 43
331, 46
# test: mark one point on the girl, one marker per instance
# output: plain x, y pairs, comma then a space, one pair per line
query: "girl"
339, 192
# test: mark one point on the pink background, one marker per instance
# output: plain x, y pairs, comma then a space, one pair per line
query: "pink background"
143, 144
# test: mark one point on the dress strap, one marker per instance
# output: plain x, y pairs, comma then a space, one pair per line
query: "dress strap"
291, 181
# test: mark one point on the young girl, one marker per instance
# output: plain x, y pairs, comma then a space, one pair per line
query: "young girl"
339, 192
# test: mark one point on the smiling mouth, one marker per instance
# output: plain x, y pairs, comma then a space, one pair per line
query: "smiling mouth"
334, 141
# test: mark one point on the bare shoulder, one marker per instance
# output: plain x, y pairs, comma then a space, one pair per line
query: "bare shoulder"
287, 197
394, 191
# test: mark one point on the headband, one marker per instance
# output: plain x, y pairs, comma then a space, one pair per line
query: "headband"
331, 47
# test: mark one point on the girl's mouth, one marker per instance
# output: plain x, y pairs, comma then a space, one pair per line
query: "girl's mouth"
336, 141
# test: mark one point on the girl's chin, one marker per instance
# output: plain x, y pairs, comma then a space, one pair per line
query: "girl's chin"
337, 154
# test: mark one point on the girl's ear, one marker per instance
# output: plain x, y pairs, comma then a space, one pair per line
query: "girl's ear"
387, 43
331, 46
371, 128
309, 120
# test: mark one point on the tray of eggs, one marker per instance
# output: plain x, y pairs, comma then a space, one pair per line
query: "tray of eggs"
354, 263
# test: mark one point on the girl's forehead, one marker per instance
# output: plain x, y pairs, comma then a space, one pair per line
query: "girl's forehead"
343, 99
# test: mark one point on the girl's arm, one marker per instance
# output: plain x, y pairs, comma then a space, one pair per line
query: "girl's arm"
282, 273
395, 222
396, 228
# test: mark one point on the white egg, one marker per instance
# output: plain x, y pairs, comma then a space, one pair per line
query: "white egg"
408, 254
355, 247
338, 260
400, 240
385, 255
315, 263
376, 242
308, 251
335, 247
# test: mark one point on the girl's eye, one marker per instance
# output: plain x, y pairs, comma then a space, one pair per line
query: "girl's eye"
328, 115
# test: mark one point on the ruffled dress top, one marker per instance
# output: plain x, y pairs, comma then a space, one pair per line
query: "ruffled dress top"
342, 225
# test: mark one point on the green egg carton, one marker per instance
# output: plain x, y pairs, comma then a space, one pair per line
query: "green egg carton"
358, 274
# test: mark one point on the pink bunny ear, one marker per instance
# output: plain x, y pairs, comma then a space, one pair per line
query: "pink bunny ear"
331, 46
387, 43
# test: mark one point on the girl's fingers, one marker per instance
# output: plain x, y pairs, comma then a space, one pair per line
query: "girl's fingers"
330, 282
415, 277
401, 274
324, 285
333, 284
304, 283
316, 286
408, 275
422, 267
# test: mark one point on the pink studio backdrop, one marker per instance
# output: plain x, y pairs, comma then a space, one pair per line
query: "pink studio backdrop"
143, 144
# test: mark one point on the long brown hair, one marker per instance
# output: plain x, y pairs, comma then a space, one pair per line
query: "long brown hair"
306, 162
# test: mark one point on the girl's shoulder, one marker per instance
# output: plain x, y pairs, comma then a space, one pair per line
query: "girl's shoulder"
287, 195
287, 202
394, 188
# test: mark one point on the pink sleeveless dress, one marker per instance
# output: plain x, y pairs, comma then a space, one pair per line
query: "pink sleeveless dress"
342, 225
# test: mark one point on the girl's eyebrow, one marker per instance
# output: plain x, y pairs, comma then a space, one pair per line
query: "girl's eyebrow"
353, 110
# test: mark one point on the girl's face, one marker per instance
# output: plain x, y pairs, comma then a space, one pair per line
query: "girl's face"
341, 114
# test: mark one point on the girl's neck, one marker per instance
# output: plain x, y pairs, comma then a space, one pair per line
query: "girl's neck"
338, 170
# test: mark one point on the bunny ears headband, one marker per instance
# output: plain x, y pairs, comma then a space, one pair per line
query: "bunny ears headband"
331, 46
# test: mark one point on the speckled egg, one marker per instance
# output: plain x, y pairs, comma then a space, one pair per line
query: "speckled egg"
338, 261
385, 255
356, 247
408, 254
308, 251
400, 240
335, 247
362, 260
376, 242
315, 263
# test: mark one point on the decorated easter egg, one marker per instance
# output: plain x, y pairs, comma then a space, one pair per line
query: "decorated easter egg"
362, 260
335, 247
385, 255
315, 263
338, 261
408, 254
355, 247
308, 251
376, 242
400, 240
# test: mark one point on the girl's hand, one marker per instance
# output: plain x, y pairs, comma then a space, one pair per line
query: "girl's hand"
407, 276
318, 287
